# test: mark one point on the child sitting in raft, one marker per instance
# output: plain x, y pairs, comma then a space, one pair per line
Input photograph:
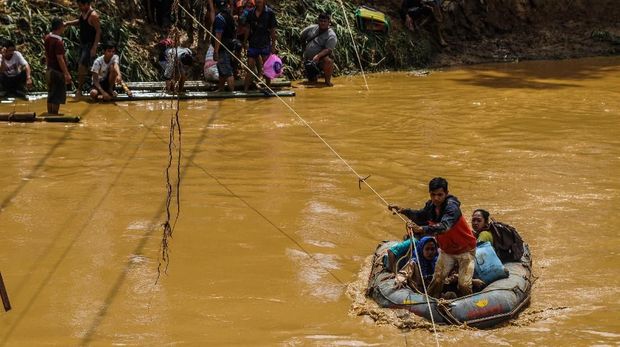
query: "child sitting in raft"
425, 256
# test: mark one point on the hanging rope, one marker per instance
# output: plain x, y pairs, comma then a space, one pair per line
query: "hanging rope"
360, 178
174, 141
359, 60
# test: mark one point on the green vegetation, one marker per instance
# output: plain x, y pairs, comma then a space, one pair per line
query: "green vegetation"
27, 21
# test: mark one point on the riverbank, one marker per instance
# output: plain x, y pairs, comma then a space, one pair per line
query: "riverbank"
476, 31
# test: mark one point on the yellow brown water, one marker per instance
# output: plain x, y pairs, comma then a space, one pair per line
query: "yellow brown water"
536, 143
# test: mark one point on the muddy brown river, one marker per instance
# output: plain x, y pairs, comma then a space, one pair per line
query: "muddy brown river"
273, 230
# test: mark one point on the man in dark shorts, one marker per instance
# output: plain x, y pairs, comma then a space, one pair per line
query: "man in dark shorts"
262, 24
319, 41
106, 73
225, 32
57, 74
90, 34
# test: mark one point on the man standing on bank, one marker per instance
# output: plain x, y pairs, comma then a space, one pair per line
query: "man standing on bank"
90, 35
441, 216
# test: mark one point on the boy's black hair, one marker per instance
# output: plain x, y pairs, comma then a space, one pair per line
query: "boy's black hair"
56, 23
8, 44
436, 183
108, 45
84, 1
485, 214
324, 15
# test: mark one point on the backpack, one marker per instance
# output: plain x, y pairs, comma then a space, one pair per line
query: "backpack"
507, 242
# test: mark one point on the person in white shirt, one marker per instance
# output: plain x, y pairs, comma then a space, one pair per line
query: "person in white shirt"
179, 62
106, 73
14, 71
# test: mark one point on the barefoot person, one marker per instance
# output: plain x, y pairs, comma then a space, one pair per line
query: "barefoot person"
441, 216
106, 74
225, 33
319, 42
14, 71
57, 74
262, 24
90, 34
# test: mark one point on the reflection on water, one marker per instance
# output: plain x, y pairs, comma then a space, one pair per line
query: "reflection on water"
273, 227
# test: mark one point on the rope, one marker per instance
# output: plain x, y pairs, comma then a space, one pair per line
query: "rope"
359, 60
360, 178
175, 130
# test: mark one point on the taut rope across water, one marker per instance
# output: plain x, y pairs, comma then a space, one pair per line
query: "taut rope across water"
360, 178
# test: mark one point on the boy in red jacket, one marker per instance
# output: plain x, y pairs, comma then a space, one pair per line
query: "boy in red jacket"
441, 217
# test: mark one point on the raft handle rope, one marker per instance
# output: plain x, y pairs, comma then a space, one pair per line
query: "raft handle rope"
359, 177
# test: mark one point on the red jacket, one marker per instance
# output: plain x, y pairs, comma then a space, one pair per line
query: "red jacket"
453, 233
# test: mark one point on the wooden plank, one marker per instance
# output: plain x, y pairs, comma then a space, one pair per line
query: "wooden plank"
17, 116
62, 118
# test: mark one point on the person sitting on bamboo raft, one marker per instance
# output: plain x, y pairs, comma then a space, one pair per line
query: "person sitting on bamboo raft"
415, 13
441, 216
319, 42
14, 71
425, 255
106, 74
179, 61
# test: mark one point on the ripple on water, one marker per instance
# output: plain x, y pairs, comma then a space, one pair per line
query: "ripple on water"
317, 280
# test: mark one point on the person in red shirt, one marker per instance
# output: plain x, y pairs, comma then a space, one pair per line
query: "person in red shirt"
57, 74
441, 217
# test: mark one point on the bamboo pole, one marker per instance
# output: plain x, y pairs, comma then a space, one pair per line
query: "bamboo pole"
4, 295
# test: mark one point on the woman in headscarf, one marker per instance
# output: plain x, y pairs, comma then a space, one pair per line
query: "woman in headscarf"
426, 252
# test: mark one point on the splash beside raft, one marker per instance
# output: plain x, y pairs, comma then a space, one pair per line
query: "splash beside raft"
498, 302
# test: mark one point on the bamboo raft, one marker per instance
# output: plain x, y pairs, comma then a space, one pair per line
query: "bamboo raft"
141, 95
31, 117
199, 85
155, 91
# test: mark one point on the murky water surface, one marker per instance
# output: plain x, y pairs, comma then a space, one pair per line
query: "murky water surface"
536, 143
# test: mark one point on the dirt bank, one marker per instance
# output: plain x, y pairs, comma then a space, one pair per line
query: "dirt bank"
507, 30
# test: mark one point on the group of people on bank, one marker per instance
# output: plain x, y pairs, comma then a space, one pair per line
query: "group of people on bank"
248, 28
245, 27
15, 72
242, 28
441, 247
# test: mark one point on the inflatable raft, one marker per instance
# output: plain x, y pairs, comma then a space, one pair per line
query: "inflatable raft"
497, 303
